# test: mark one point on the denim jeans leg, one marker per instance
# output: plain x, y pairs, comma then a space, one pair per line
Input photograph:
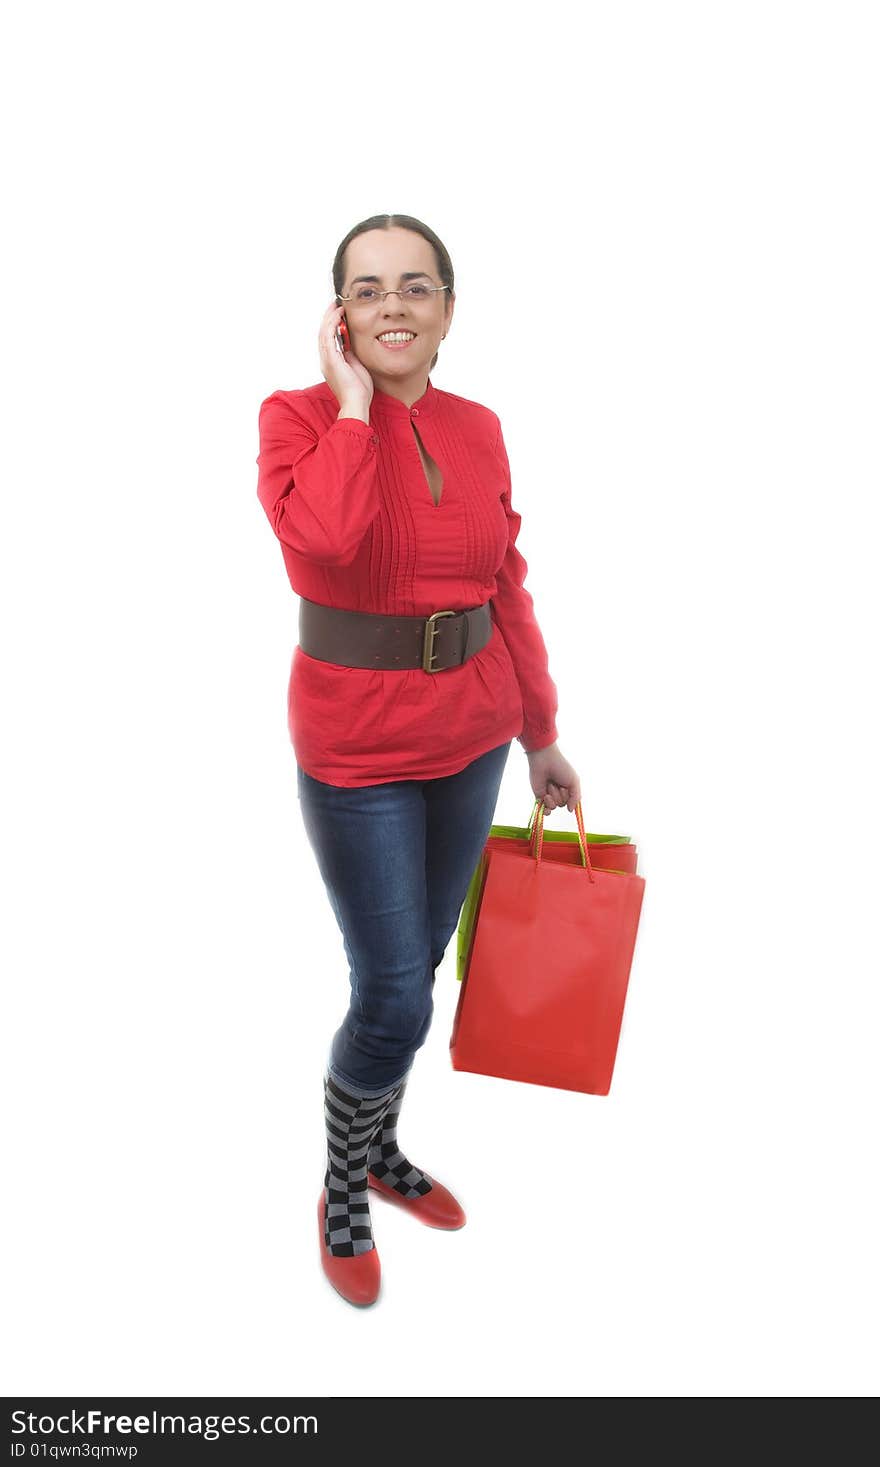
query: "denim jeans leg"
459, 812
396, 859
369, 843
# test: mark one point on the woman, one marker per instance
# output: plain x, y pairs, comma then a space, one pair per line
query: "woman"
419, 660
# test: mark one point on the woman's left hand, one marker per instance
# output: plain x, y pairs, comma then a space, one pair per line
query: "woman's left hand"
553, 779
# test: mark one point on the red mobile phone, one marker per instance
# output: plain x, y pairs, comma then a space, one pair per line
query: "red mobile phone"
343, 341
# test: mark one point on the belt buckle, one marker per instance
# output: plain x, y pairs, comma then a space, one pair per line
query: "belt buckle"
428, 653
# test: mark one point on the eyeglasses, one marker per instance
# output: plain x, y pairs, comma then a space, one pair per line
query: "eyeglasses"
368, 295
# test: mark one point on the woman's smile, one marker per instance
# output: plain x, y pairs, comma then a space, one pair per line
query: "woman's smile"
396, 340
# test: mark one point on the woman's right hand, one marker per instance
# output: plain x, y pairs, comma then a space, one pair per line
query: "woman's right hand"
346, 375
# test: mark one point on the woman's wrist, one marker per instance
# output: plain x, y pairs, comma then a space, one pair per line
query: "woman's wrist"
531, 752
354, 410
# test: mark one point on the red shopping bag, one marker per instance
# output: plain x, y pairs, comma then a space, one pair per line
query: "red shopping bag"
546, 947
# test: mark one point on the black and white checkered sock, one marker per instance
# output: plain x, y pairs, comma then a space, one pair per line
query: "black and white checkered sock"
387, 1162
351, 1121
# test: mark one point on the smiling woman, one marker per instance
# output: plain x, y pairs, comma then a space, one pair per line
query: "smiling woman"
407, 312
419, 661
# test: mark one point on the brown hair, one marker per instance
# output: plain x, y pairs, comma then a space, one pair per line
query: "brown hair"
398, 221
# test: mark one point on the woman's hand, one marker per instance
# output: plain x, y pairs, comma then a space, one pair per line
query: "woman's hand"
348, 377
553, 779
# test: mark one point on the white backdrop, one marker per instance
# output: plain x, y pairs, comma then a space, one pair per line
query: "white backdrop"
663, 221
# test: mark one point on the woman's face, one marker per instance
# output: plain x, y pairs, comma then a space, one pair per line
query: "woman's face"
390, 255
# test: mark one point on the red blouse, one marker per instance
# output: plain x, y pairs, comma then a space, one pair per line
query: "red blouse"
359, 529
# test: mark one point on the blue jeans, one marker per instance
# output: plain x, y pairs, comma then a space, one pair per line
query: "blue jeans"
396, 859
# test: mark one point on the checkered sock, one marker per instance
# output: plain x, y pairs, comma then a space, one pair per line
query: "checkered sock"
386, 1160
351, 1120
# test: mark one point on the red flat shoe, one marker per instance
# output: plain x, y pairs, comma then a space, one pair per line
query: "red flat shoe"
438, 1208
357, 1279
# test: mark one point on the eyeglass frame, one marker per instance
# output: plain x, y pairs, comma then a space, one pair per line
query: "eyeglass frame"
399, 291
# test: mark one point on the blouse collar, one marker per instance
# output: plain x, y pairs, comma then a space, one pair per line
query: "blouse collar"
392, 407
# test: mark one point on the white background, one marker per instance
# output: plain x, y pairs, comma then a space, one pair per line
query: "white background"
663, 221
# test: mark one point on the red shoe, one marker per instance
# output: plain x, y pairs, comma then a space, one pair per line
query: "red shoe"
356, 1279
438, 1208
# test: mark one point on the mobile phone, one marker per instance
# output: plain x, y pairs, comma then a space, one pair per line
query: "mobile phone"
343, 342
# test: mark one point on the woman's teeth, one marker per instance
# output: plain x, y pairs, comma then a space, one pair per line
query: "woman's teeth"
396, 338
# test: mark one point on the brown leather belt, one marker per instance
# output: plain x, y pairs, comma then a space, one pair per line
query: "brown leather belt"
367, 639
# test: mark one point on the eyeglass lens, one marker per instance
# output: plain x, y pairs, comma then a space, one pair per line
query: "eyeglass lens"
368, 295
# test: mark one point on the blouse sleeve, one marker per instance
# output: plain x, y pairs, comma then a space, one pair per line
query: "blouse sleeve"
515, 617
319, 489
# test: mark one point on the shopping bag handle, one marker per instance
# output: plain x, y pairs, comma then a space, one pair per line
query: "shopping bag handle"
536, 835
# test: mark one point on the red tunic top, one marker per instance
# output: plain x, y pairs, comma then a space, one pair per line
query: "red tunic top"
359, 529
